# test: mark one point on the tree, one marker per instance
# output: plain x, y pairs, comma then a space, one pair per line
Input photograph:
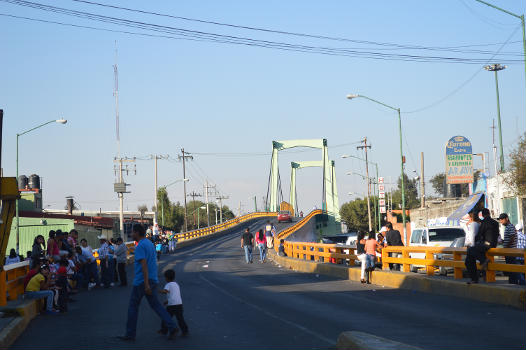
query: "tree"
142, 209
354, 215
516, 177
439, 182
172, 214
411, 193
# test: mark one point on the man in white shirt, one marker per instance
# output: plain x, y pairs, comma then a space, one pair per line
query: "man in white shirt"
91, 271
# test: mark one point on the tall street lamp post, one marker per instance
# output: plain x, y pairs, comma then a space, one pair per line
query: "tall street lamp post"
350, 97
59, 121
162, 202
495, 68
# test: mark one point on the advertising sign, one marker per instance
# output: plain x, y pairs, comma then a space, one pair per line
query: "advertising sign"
381, 202
381, 188
382, 210
381, 194
459, 161
380, 180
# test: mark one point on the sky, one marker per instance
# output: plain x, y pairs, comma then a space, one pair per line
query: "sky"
225, 103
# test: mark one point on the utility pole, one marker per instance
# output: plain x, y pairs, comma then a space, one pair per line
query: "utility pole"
183, 157
365, 147
494, 147
422, 183
194, 194
495, 68
207, 189
220, 199
120, 186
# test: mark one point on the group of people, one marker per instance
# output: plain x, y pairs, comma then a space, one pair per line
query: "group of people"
483, 235
264, 239
64, 265
165, 241
367, 247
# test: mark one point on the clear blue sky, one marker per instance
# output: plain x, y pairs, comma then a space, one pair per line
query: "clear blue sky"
210, 97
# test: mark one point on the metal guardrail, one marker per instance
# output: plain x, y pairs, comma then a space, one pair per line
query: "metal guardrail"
289, 230
325, 253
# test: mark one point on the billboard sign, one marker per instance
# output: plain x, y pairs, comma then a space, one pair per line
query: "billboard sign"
459, 161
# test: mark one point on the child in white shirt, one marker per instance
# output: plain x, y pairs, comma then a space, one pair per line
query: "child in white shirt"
174, 303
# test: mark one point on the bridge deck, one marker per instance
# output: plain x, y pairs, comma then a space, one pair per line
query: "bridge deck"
230, 304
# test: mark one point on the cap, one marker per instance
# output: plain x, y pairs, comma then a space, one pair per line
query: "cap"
503, 216
519, 227
383, 229
102, 237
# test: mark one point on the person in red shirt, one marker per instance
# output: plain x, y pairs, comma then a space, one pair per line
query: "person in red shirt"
261, 241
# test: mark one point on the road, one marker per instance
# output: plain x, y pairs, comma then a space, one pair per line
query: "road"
231, 304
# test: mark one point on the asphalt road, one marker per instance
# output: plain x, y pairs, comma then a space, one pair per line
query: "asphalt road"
231, 304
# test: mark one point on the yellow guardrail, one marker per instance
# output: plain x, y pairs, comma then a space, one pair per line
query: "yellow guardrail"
289, 230
225, 225
12, 281
450, 257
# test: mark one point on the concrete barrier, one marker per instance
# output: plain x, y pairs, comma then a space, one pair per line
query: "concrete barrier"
354, 340
515, 297
25, 311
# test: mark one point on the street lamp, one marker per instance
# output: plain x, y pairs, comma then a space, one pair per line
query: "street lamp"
162, 202
521, 17
59, 121
495, 68
350, 97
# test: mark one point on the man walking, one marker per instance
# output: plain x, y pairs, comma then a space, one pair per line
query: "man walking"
145, 284
269, 235
521, 244
247, 242
486, 238
393, 238
510, 241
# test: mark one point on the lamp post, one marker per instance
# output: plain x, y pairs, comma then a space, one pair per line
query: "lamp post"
59, 121
162, 202
198, 217
521, 17
495, 68
350, 97
378, 195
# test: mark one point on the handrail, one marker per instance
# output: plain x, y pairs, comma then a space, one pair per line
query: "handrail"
289, 230
12, 281
337, 254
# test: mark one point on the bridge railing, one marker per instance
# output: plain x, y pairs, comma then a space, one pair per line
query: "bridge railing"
289, 230
432, 257
223, 226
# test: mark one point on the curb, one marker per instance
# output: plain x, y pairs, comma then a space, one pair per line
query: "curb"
354, 340
27, 311
514, 297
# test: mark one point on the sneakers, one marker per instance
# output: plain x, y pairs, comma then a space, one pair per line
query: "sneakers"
112, 284
172, 334
126, 338
52, 312
91, 285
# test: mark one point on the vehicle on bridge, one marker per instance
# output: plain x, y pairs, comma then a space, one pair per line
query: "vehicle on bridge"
345, 239
284, 216
434, 237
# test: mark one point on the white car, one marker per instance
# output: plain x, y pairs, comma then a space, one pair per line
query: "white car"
439, 236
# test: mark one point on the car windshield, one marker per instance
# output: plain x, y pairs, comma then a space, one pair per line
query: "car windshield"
416, 236
445, 234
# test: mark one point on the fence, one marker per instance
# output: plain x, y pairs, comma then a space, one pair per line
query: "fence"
12, 281
289, 230
432, 257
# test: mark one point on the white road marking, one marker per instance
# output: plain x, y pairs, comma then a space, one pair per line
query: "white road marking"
290, 323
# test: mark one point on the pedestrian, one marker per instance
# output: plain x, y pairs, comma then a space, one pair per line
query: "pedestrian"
62, 286
247, 242
105, 272
174, 303
360, 254
52, 246
38, 287
393, 239
281, 248
73, 238
121, 253
91, 272
38, 251
473, 226
145, 284
13, 257
521, 244
262, 245
268, 235
371, 246
486, 238
510, 241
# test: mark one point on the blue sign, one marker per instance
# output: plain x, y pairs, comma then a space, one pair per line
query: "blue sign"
459, 161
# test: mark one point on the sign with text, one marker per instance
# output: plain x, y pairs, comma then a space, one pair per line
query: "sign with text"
381, 188
380, 180
381, 194
381, 202
382, 210
459, 161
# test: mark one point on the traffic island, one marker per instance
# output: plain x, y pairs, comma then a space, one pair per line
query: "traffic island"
490, 293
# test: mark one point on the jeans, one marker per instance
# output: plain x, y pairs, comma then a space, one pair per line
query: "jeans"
513, 277
92, 272
477, 252
107, 270
262, 251
48, 294
395, 267
177, 311
361, 258
133, 308
370, 261
121, 267
248, 253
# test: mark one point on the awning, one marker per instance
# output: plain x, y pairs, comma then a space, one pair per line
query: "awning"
475, 200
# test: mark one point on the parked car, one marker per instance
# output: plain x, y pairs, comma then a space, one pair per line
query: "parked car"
347, 239
434, 237
284, 216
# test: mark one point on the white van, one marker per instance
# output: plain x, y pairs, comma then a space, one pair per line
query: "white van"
436, 236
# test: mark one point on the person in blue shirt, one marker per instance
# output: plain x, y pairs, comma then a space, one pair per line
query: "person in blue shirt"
145, 284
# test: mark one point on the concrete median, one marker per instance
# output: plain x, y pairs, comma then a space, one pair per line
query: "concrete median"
515, 297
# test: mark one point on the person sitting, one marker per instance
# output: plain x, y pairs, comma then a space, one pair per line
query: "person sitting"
281, 248
62, 285
38, 287
13, 257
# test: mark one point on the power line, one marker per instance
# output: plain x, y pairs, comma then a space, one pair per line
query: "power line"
229, 39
